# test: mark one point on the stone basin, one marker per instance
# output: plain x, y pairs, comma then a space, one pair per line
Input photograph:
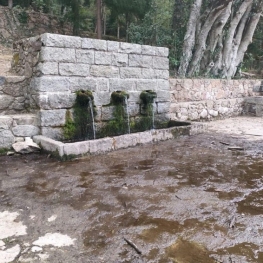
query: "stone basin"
72, 150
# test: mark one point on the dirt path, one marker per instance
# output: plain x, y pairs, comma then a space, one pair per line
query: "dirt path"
5, 60
187, 200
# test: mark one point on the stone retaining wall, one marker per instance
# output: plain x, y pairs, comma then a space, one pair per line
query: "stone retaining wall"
15, 96
67, 64
205, 99
15, 128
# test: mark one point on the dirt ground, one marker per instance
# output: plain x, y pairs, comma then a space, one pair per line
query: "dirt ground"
195, 199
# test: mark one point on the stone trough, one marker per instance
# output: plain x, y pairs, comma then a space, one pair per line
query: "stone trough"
66, 151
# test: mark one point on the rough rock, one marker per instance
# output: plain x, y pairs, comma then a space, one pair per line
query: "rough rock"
28, 146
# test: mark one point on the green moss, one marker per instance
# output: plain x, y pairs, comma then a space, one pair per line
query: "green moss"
80, 126
84, 97
148, 96
118, 97
15, 59
69, 129
3, 151
118, 125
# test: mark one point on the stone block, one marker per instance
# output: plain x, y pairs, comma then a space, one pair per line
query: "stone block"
134, 96
14, 90
79, 83
2, 81
161, 63
48, 68
5, 101
161, 135
74, 69
258, 88
163, 107
134, 108
53, 118
25, 119
107, 113
6, 139
5, 122
119, 59
50, 84
25, 130
101, 145
49, 145
130, 73
28, 71
140, 61
148, 73
145, 137
55, 40
163, 85
57, 55
161, 51
85, 56
253, 100
130, 48
122, 84
161, 74
18, 104
96, 44
148, 50
77, 148
102, 98
147, 85
213, 113
102, 84
204, 114
113, 46
60, 100
104, 71
53, 133
193, 116
125, 141
163, 95
102, 58
223, 111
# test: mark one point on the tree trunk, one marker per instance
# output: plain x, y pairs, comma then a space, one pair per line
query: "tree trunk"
216, 41
99, 29
10, 4
189, 39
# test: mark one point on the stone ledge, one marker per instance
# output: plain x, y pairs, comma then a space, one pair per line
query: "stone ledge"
100, 146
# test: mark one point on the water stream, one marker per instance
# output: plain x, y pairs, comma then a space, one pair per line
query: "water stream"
153, 109
128, 114
92, 117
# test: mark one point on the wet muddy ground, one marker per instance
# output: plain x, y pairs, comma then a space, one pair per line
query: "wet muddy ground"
191, 200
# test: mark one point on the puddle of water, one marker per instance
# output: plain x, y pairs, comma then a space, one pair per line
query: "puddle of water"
252, 204
242, 249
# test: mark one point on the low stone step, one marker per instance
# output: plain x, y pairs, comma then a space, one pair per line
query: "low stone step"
258, 88
15, 128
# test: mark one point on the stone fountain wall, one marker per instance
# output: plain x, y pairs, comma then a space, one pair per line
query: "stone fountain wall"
67, 64
206, 99
53, 67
